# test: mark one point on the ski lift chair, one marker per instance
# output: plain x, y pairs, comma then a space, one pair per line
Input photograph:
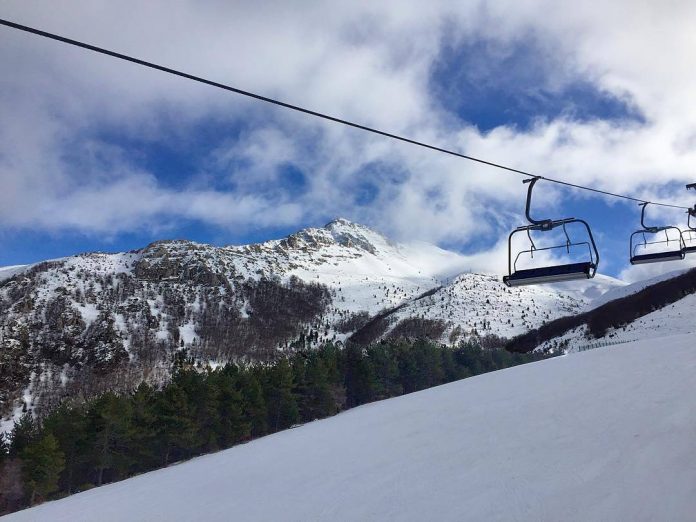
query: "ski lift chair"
553, 273
689, 235
678, 250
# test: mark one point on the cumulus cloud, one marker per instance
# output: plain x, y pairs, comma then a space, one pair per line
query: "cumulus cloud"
372, 62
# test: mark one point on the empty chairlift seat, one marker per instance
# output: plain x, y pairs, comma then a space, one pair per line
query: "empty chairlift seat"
657, 257
657, 250
550, 273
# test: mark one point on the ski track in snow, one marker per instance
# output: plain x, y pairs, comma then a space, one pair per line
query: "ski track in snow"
607, 434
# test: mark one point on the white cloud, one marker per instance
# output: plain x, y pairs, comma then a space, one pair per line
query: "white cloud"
366, 61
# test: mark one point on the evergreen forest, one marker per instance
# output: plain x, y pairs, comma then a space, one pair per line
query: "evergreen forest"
88, 442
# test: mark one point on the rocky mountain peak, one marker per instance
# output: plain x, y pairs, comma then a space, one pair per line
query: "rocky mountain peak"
349, 234
339, 232
343, 222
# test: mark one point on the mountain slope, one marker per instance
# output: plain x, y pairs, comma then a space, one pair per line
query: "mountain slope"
562, 439
83, 324
643, 310
674, 319
618, 292
480, 303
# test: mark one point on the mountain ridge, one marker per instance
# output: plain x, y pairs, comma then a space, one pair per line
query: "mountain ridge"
82, 323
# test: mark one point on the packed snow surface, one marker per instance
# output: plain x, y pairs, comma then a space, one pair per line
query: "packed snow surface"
608, 434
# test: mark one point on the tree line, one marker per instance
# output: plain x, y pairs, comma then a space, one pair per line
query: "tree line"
110, 437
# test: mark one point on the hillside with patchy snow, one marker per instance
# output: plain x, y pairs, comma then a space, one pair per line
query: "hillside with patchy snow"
674, 319
91, 322
645, 310
602, 435
619, 291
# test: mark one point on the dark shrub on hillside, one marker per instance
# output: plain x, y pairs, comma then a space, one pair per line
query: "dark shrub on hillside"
414, 328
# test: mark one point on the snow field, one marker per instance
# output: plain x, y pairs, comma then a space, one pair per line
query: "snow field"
602, 435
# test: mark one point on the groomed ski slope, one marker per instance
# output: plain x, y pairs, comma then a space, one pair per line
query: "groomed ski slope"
608, 434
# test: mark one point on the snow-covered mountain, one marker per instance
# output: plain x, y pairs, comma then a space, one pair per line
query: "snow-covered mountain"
480, 303
93, 321
602, 435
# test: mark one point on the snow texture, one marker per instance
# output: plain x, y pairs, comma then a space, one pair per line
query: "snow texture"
602, 435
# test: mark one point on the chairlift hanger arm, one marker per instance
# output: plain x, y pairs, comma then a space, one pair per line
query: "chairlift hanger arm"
592, 242
642, 220
545, 224
539, 224
691, 213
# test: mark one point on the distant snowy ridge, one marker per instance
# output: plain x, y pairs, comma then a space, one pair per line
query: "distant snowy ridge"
632, 288
10, 271
648, 309
673, 319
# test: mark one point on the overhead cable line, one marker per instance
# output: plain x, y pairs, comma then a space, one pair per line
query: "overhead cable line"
316, 114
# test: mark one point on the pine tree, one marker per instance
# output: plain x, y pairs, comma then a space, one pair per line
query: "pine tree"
428, 364
42, 462
12, 495
452, 371
25, 431
359, 377
298, 364
232, 426
175, 420
68, 425
4, 447
253, 402
318, 401
143, 436
330, 357
109, 423
386, 368
280, 401
202, 399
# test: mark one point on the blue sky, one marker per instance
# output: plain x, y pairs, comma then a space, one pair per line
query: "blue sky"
490, 85
99, 155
